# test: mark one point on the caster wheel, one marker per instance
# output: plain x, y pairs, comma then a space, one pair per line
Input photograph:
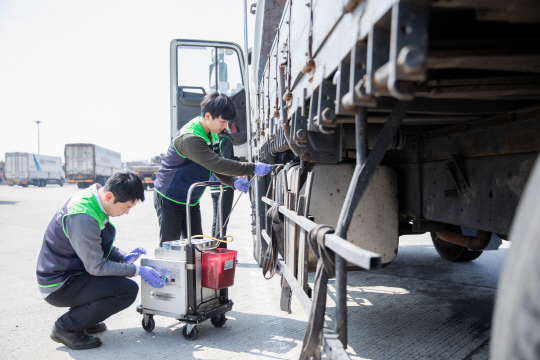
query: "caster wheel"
191, 335
218, 320
150, 325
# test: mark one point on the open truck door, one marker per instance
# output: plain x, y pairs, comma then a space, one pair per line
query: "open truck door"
201, 67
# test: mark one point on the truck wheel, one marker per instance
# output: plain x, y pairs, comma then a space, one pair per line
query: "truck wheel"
453, 252
145, 186
515, 331
61, 182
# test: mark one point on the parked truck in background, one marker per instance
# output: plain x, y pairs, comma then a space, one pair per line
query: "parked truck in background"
25, 169
88, 163
385, 118
148, 172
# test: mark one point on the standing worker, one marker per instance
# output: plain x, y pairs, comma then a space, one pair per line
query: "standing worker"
227, 151
78, 266
193, 157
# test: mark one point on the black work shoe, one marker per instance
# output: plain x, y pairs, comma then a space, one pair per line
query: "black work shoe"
95, 329
76, 340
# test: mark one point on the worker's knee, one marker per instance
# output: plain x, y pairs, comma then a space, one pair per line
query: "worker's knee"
129, 291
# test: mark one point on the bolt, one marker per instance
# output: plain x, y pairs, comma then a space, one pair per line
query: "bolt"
310, 64
328, 115
411, 60
305, 156
301, 134
287, 96
328, 154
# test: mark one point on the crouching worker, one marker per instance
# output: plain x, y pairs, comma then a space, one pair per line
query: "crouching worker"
78, 266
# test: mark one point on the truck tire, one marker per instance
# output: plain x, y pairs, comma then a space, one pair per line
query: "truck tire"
61, 183
453, 252
515, 330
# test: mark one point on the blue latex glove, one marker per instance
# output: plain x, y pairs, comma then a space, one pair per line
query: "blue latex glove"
151, 276
242, 185
262, 169
134, 255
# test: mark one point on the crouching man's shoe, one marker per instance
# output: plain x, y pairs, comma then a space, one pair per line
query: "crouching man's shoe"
76, 340
95, 329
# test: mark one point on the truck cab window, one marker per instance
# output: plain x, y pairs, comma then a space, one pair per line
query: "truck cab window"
203, 69
192, 63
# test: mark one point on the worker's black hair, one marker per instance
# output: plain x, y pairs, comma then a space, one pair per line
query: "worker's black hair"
218, 104
125, 186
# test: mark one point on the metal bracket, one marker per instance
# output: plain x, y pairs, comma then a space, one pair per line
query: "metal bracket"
408, 47
298, 130
423, 226
456, 166
285, 299
325, 120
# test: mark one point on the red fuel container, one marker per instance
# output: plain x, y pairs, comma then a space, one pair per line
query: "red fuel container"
218, 267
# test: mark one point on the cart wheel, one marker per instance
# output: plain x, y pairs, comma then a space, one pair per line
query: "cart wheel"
150, 325
191, 335
218, 320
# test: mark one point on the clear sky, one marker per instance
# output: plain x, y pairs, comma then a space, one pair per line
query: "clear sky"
97, 71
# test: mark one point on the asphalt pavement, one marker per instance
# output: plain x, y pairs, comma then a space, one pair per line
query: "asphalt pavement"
418, 307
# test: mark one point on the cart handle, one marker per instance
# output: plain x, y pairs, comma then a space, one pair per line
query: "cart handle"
188, 212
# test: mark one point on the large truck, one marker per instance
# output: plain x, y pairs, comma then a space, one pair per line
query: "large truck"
26, 169
88, 163
386, 118
148, 172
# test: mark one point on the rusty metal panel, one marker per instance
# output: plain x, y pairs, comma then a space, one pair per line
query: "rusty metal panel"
326, 14
337, 46
300, 19
496, 184
373, 13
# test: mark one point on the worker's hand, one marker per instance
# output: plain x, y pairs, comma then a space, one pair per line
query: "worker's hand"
242, 185
134, 255
262, 169
151, 276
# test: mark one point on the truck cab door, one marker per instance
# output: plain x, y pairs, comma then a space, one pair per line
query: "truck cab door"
202, 67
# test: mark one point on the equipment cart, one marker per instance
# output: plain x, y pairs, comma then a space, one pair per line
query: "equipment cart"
197, 276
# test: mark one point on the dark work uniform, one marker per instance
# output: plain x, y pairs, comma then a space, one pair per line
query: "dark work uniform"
192, 157
78, 266
226, 150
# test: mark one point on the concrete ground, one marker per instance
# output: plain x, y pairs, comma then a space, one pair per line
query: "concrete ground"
418, 307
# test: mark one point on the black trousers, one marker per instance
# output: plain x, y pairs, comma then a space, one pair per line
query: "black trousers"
226, 206
172, 219
92, 299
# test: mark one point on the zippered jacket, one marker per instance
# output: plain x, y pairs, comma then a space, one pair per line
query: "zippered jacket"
58, 259
192, 157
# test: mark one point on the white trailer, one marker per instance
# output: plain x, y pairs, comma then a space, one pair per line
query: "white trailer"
89, 163
33, 169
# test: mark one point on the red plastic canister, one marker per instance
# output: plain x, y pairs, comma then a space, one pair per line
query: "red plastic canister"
218, 267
